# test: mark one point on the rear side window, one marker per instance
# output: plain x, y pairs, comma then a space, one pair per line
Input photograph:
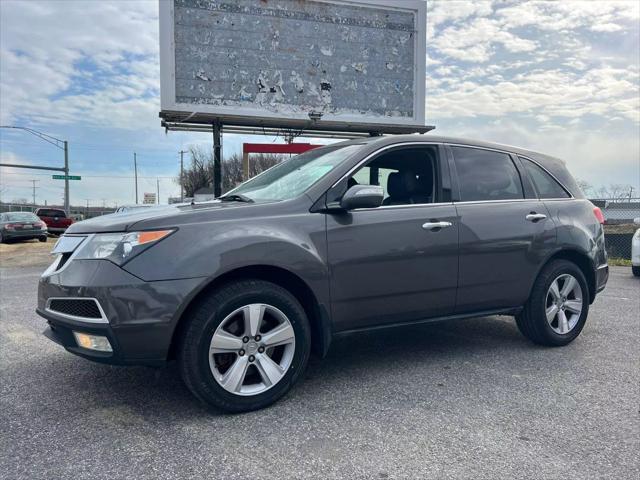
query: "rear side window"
46, 212
486, 175
546, 185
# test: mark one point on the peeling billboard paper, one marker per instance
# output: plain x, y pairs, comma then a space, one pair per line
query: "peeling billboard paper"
353, 62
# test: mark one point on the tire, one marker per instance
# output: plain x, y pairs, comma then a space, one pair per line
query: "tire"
42, 239
532, 321
204, 373
1, 238
635, 270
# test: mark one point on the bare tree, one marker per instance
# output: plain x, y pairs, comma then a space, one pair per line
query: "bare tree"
586, 188
615, 191
199, 173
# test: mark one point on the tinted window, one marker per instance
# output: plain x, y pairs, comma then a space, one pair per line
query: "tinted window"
545, 184
405, 174
486, 175
48, 212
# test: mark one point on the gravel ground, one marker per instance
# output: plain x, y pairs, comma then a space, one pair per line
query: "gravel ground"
464, 399
26, 253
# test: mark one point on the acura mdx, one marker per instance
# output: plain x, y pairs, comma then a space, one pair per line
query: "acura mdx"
364, 234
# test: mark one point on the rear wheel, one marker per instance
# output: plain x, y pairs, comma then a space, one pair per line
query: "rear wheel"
558, 306
636, 271
245, 346
42, 238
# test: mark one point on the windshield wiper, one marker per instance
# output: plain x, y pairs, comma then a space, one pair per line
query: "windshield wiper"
235, 197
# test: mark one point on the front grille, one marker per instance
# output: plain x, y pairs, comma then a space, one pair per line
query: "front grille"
85, 308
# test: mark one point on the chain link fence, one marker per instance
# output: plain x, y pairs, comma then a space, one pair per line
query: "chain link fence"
619, 227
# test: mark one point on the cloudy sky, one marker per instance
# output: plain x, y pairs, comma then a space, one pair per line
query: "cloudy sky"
558, 77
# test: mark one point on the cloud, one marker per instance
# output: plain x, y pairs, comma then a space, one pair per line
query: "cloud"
440, 12
561, 77
48, 48
570, 15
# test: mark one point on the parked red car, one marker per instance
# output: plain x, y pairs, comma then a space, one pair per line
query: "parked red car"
55, 218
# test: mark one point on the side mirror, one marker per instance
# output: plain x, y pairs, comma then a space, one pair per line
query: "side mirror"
362, 196
636, 220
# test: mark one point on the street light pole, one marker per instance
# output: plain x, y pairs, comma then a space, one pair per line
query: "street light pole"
56, 142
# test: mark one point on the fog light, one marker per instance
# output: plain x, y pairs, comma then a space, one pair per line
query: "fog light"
93, 342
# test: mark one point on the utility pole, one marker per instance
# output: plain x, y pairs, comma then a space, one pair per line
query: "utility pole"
182, 152
157, 191
34, 191
135, 169
66, 178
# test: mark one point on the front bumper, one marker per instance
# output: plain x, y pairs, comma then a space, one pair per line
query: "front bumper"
635, 251
140, 317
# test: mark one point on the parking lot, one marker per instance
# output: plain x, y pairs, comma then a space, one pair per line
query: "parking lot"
464, 399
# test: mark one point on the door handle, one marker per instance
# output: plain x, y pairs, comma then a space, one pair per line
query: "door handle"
434, 225
534, 217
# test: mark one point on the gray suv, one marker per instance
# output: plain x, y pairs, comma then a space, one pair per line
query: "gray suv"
371, 233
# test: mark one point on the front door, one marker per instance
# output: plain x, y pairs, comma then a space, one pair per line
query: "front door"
398, 262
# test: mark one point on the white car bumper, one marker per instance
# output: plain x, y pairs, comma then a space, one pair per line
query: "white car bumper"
635, 249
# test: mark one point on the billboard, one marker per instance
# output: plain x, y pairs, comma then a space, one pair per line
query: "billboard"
290, 63
149, 198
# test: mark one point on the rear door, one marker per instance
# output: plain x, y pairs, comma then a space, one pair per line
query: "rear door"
505, 231
393, 263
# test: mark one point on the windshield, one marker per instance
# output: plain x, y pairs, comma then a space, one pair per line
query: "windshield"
291, 177
46, 212
21, 217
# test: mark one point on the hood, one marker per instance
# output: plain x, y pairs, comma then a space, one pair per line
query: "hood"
125, 221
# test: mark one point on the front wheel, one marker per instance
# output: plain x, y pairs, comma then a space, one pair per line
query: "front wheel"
636, 271
245, 346
558, 306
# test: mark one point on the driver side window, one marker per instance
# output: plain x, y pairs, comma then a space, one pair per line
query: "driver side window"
406, 175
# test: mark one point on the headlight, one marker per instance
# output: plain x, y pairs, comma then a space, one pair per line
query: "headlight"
120, 247
637, 234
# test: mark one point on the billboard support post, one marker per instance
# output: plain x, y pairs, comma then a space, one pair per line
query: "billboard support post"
217, 158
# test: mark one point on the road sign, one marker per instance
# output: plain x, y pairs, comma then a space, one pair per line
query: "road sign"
149, 198
70, 177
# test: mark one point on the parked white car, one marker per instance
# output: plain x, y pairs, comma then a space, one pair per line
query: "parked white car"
635, 250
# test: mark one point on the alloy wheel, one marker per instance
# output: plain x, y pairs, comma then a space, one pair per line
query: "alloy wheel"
252, 349
563, 304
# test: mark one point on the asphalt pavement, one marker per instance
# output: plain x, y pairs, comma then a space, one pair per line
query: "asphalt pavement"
462, 399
